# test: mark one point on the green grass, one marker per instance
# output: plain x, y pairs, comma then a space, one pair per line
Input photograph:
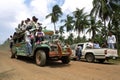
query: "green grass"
4, 46
116, 61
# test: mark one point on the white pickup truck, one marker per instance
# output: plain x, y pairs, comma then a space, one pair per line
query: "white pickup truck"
92, 54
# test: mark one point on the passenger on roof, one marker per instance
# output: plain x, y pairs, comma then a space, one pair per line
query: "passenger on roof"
34, 22
28, 23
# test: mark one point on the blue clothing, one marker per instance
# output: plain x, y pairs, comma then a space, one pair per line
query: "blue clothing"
111, 45
96, 45
79, 52
28, 48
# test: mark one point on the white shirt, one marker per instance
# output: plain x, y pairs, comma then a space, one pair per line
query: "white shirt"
111, 39
27, 34
90, 44
11, 40
37, 26
23, 27
32, 23
96, 45
28, 24
38, 32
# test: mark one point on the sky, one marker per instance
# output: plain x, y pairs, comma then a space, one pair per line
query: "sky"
13, 11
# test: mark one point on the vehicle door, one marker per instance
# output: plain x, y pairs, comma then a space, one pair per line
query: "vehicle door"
21, 48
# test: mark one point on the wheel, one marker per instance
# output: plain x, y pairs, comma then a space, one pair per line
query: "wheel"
75, 59
65, 59
101, 60
90, 57
40, 58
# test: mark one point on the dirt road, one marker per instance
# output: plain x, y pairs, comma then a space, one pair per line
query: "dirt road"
25, 69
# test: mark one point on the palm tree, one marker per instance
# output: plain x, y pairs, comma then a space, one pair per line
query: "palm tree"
61, 31
104, 32
68, 23
70, 39
94, 27
108, 10
56, 13
101, 9
80, 20
115, 20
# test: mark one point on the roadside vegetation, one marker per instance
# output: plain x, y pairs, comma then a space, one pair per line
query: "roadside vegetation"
104, 17
5, 45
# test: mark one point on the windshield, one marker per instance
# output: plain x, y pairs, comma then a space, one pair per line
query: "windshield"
49, 37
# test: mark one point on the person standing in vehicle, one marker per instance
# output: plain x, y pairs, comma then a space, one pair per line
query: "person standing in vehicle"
28, 42
28, 23
34, 22
111, 40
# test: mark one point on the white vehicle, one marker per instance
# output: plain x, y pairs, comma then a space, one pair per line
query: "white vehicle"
92, 54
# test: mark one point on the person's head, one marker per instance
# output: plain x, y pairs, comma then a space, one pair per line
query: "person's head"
95, 41
34, 19
78, 46
22, 22
10, 36
40, 29
14, 33
110, 33
28, 19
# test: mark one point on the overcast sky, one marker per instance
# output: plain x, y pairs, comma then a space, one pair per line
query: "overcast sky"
13, 11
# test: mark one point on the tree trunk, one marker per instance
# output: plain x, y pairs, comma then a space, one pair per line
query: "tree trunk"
93, 35
106, 30
54, 28
117, 43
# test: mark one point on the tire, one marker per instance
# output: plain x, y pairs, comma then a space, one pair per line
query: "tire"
75, 59
40, 58
101, 60
65, 59
90, 57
